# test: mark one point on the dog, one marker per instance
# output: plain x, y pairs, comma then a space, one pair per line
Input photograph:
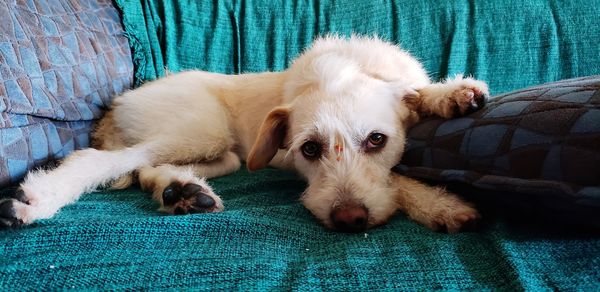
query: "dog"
338, 117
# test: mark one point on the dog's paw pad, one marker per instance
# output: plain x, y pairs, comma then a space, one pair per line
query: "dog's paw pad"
458, 220
466, 95
172, 193
468, 99
189, 198
8, 214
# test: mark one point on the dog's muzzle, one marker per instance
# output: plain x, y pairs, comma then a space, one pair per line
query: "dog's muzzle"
350, 218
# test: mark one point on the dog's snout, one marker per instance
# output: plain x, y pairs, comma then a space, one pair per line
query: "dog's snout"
350, 218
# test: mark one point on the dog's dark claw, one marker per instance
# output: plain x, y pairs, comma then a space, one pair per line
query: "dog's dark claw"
473, 107
477, 103
7, 214
456, 112
19, 195
481, 101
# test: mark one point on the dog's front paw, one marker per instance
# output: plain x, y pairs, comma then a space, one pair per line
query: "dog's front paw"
453, 216
184, 198
466, 95
453, 221
10, 211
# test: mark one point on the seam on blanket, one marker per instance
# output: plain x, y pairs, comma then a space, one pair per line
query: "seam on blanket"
138, 51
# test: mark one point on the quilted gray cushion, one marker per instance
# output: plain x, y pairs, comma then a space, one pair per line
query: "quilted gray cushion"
61, 62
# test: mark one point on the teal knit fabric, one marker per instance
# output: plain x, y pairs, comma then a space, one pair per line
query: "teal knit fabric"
511, 44
266, 240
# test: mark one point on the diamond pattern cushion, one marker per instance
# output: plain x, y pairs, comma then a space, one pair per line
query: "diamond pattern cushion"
542, 141
61, 62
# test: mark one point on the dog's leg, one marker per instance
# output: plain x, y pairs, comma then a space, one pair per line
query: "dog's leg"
450, 98
43, 193
183, 189
433, 207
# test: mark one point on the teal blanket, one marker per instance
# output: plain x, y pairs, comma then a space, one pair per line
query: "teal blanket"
265, 239
511, 44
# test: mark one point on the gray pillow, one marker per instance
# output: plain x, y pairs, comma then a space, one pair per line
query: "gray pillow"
60, 65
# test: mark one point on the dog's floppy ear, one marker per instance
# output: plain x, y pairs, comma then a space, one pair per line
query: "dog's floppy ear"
270, 138
411, 97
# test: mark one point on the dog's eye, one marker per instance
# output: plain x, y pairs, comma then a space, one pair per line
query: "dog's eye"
311, 150
375, 141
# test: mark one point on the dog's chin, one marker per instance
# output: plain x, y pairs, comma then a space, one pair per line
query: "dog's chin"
324, 216
328, 224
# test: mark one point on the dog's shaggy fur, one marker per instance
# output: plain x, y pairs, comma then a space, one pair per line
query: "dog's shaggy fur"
338, 116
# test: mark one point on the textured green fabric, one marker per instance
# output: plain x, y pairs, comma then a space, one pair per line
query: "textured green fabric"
266, 239
511, 44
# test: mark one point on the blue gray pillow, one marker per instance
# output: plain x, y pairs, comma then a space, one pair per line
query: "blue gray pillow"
60, 65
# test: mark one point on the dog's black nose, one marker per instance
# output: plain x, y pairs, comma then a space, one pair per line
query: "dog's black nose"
350, 218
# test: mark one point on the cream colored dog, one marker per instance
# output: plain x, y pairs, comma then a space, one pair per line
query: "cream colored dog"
338, 116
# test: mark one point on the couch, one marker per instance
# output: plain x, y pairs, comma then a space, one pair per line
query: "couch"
62, 61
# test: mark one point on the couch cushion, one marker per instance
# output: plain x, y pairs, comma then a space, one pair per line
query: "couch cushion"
542, 141
61, 62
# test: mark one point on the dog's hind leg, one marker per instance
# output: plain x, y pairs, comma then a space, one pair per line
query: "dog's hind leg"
182, 189
450, 98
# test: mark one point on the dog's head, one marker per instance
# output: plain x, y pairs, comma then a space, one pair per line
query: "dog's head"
343, 128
